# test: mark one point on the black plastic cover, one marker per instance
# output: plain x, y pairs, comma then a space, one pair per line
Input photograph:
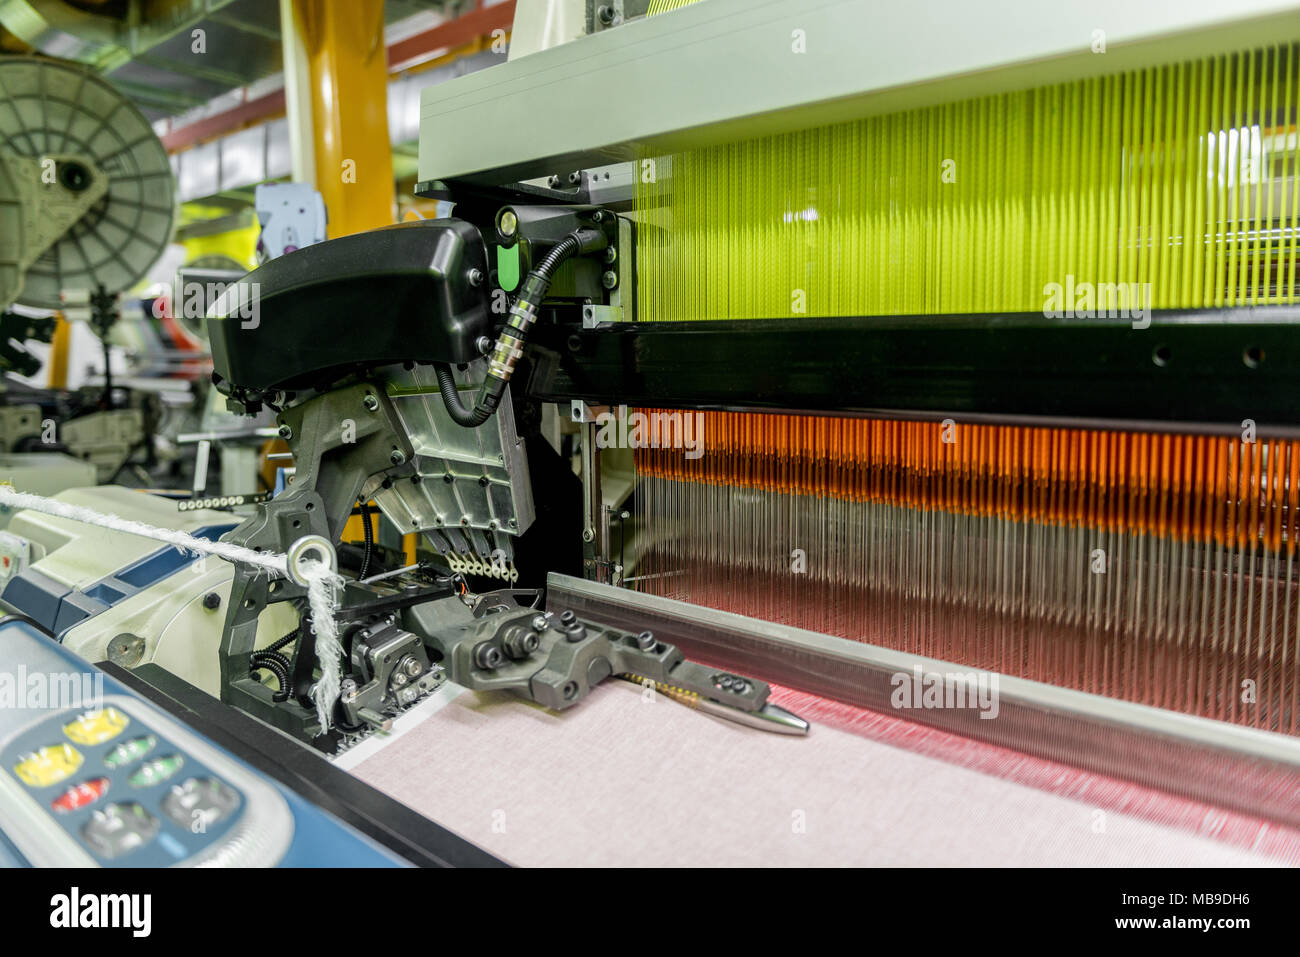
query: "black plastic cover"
397, 294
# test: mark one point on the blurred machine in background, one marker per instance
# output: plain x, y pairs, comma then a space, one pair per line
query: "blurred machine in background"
86, 195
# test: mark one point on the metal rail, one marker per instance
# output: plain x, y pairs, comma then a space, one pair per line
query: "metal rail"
1254, 772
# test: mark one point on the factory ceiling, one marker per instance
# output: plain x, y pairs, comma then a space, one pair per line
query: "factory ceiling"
150, 50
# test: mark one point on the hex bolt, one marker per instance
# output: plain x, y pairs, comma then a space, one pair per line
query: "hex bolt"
398, 457
488, 656
541, 623
286, 433
609, 280
645, 641
520, 644
370, 401
211, 601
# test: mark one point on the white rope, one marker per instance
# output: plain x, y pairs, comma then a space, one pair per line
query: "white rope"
322, 583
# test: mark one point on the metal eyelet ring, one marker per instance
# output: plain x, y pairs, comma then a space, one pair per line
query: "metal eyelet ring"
310, 548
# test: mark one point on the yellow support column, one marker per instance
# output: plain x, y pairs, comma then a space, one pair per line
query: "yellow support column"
336, 86
60, 346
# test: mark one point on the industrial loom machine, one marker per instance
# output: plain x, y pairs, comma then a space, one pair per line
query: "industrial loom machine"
955, 380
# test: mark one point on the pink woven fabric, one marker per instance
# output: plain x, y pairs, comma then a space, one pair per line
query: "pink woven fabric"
629, 779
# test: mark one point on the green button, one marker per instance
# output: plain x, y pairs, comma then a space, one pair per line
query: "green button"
508, 267
129, 751
155, 771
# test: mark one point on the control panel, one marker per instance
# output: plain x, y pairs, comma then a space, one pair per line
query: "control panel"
93, 775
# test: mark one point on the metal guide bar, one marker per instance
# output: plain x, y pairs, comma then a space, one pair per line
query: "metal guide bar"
1250, 771
729, 69
1188, 370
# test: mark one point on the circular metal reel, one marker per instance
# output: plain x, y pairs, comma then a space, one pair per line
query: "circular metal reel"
48, 108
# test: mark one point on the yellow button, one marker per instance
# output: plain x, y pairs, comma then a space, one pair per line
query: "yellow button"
96, 727
48, 765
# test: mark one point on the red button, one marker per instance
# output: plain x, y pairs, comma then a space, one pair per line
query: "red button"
79, 795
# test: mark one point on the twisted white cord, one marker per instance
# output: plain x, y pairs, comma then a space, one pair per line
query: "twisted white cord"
322, 583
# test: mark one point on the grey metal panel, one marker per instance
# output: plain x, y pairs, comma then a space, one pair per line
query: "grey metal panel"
279, 158
722, 69
200, 173
243, 158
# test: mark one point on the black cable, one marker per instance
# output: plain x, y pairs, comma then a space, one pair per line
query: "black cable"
275, 663
510, 344
482, 411
369, 535
281, 642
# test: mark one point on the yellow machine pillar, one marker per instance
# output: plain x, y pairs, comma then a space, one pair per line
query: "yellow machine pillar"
336, 93
60, 347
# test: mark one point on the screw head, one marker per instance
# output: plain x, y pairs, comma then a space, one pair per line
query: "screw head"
575, 177
645, 641
398, 457
611, 254
484, 344
370, 401
476, 277
285, 432
609, 280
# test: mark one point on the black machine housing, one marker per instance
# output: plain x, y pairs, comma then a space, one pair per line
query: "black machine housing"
397, 294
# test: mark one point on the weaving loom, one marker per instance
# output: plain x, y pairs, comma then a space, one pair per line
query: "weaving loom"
943, 401
1127, 531
1145, 565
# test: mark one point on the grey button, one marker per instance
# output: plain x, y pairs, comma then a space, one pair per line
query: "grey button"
198, 803
120, 829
